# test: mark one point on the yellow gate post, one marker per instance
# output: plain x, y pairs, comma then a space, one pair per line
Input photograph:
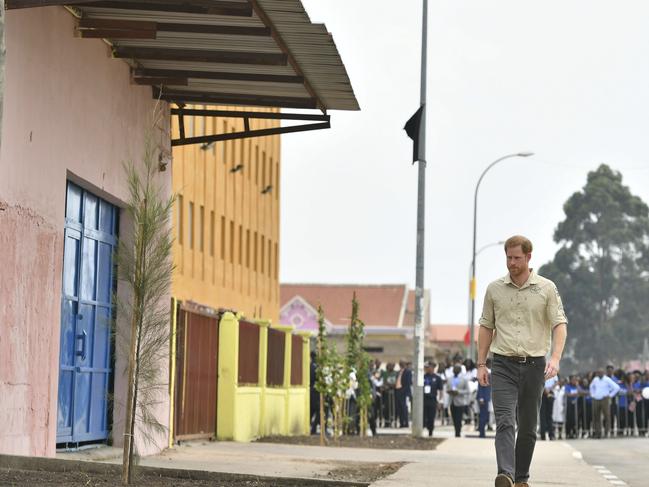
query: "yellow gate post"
286, 381
263, 367
306, 379
228, 374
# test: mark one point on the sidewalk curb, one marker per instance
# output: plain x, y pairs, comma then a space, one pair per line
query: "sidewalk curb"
16, 462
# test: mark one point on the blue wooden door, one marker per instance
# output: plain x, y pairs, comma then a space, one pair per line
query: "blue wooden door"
86, 317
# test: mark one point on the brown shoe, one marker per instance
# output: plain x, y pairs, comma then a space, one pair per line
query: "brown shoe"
503, 480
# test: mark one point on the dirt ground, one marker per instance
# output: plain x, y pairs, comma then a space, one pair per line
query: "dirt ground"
387, 442
363, 472
360, 472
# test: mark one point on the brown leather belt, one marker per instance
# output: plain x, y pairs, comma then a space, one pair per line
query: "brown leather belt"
520, 360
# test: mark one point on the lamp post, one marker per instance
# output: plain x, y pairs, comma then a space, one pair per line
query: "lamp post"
484, 247
472, 284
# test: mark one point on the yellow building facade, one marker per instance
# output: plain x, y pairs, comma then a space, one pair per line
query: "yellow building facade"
226, 217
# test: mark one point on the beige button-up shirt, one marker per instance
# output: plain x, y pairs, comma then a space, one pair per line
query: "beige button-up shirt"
523, 317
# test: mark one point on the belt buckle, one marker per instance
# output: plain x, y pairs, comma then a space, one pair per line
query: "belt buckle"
522, 360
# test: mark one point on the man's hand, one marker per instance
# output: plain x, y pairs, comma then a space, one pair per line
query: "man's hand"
559, 334
551, 368
483, 376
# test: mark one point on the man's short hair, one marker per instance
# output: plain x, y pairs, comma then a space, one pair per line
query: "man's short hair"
517, 240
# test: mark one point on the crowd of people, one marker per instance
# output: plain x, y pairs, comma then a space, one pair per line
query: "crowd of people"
598, 404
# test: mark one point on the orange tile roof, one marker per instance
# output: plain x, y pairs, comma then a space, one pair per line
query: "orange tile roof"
449, 333
380, 305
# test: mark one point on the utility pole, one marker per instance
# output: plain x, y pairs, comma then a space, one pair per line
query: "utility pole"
418, 382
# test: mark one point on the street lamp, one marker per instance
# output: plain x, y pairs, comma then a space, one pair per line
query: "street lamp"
475, 216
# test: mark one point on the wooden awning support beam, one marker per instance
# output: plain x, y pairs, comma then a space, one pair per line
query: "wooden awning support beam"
141, 29
199, 112
207, 139
16, 4
194, 97
211, 7
323, 122
152, 74
200, 55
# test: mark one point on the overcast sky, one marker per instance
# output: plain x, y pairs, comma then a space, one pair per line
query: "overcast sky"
568, 80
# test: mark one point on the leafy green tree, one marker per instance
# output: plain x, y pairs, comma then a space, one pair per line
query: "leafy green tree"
332, 380
357, 361
602, 271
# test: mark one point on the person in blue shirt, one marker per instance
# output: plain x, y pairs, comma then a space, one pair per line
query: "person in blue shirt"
572, 411
622, 402
645, 401
484, 398
433, 385
641, 405
585, 408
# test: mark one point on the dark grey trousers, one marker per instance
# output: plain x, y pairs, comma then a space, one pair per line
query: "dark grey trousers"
516, 394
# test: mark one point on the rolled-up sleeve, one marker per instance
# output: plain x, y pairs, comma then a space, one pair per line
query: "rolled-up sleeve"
487, 319
555, 312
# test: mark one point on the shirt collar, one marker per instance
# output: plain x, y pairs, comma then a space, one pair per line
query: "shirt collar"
533, 279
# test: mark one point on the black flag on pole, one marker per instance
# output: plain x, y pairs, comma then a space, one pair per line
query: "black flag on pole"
412, 129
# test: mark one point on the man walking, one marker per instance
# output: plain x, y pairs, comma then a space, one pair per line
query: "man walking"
522, 317
457, 388
547, 405
433, 385
602, 389
402, 389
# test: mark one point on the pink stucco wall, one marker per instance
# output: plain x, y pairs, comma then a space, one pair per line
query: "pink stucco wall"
70, 111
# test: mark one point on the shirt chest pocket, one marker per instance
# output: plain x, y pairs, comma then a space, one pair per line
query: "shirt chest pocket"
536, 302
505, 308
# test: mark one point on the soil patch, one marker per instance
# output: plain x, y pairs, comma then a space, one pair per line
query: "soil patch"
383, 442
40, 478
363, 471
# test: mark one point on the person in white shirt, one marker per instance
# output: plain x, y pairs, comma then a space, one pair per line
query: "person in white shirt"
447, 376
602, 389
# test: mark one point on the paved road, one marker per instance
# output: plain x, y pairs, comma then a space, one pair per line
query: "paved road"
625, 458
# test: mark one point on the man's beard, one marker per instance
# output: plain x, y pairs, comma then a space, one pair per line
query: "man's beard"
516, 271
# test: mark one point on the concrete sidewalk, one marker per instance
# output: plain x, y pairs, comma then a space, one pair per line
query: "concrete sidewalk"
458, 462
471, 462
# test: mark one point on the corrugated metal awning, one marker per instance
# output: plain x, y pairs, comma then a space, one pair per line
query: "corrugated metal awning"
232, 52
